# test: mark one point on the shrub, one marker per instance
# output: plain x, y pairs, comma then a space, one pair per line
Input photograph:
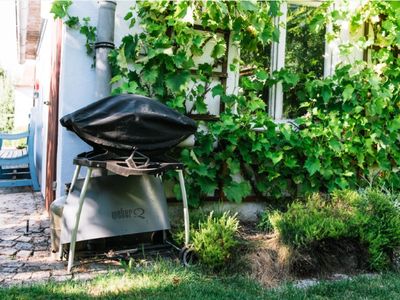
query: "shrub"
264, 222
371, 217
316, 219
6, 103
197, 217
215, 239
379, 226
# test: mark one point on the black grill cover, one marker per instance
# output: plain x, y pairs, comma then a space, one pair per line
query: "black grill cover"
124, 122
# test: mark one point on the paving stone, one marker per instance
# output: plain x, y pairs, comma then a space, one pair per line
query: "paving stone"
59, 272
41, 253
8, 270
98, 267
41, 240
41, 248
24, 253
61, 278
7, 243
25, 238
12, 264
9, 237
40, 276
6, 275
306, 283
25, 259
6, 279
8, 251
23, 246
46, 267
83, 276
23, 276
32, 267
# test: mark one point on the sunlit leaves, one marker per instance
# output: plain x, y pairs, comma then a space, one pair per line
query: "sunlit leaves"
348, 92
60, 8
219, 49
248, 5
176, 82
236, 191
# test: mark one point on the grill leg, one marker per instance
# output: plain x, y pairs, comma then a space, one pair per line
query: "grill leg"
74, 178
71, 254
185, 206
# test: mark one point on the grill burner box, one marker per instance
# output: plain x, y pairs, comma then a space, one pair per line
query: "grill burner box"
116, 205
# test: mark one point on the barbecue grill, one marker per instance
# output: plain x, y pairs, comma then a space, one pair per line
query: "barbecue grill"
130, 136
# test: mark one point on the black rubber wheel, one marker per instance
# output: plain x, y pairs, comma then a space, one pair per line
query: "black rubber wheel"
189, 257
181, 252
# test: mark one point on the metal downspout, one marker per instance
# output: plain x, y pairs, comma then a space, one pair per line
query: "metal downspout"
103, 46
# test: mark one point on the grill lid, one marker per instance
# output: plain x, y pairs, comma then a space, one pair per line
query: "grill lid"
125, 122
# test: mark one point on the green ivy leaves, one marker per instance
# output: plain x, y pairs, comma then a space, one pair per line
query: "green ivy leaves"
59, 9
176, 82
350, 128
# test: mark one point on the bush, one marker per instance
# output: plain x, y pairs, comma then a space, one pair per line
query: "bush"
379, 226
215, 239
197, 217
317, 219
370, 216
264, 222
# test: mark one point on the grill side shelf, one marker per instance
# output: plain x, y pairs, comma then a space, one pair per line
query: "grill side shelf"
122, 169
119, 167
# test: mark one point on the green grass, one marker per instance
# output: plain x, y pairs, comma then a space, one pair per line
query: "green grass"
169, 281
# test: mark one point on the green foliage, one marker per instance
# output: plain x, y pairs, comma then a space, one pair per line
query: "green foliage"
6, 103
59, 9
264, 222
215, 239
349, 126
379, 226
370, 216
304, 55
162, 60
316, 219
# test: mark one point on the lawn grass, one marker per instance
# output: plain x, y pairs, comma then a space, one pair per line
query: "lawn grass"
170, 281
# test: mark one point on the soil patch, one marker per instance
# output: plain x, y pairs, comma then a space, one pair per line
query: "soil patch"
270, 262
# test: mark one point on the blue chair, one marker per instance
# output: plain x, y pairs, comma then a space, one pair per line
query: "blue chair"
17, 166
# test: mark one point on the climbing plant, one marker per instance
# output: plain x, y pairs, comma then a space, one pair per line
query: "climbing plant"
60, 9
347, 135
6, 103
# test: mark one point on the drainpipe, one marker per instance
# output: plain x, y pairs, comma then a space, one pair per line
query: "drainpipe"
103, 46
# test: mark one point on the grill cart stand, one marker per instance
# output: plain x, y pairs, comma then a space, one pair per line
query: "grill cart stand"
136, 165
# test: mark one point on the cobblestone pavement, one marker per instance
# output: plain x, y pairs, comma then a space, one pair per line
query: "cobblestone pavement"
25, 256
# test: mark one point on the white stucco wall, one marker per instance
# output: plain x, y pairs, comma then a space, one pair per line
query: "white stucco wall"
77, 83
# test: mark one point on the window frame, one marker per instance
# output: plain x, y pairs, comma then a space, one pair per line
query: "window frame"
278, 54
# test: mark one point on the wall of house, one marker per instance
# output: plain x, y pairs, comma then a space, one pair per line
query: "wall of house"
41, 110
77, 83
